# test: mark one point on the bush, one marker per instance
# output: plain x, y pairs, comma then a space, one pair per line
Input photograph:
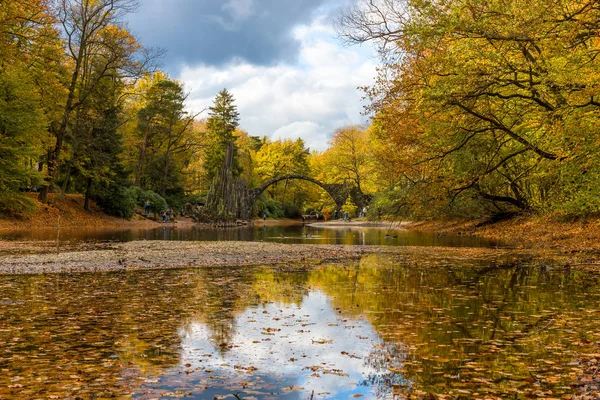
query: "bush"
15, 203
176, 199
274, 209
157, 203
269, 207
115, 199
349, 208
575, 193
326, 211
291, 210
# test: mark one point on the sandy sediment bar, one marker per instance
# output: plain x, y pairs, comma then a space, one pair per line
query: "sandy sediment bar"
41, 257
161, 254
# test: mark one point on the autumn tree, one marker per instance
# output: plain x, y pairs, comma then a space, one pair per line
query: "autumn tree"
349, 153
495, 100
248, 147
97, 47
30, 74
279, 158
193, 171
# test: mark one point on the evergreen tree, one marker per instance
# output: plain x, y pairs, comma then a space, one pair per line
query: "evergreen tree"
221, 124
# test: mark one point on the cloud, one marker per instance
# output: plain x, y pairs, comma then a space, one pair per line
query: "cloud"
313, 134
307, 99
271, 356
239, 10
215, 32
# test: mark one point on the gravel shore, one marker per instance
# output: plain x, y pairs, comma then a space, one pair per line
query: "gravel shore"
29, 257
160, 254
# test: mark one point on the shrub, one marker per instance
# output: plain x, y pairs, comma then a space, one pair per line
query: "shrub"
115, 199
326, 211
291, 210
269, 207
15, 203
349, 208
157, 203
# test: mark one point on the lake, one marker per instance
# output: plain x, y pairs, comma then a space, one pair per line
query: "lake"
350, 235
378, 327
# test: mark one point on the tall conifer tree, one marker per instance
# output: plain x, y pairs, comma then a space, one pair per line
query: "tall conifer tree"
224, 119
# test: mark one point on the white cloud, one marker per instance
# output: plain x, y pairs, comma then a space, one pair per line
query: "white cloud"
297, 333
313, 134
309, 99
238, 9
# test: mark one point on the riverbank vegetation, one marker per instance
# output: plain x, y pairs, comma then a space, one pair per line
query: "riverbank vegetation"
480, 110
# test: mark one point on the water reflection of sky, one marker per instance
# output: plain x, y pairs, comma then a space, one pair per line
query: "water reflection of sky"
296, 350
471, 329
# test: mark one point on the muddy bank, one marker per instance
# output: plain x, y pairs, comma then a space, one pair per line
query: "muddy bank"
67, 212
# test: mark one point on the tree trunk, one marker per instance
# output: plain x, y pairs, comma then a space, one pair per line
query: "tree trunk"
88, 189
65, 185
166, 170
285, 184
54, 155
138, 172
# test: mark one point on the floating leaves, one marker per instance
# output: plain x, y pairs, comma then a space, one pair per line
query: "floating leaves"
384, 326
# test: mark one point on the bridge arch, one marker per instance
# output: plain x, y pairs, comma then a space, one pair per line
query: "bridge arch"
338, 192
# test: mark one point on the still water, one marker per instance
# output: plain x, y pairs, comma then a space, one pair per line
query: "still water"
278, 233
379, 327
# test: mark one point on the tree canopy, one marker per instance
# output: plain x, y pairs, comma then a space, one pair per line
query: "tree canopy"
480, 108
486, 106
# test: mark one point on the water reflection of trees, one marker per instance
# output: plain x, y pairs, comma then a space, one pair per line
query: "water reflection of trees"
506, 325
100, 333
88, 333
501, 323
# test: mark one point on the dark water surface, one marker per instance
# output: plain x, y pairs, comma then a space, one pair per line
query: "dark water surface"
379, 327
283, 234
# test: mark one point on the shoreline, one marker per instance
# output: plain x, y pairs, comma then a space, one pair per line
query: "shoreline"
360, 223
525, 232
521, 232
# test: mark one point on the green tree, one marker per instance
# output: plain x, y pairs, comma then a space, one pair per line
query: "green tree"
221, 125
100, 144
164, 137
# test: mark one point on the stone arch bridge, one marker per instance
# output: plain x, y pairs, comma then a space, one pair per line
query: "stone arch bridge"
339, 192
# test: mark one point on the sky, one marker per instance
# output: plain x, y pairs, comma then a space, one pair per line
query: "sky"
290, 74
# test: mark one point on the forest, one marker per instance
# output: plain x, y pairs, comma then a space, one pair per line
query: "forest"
480, 108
